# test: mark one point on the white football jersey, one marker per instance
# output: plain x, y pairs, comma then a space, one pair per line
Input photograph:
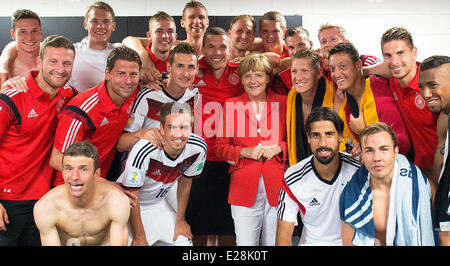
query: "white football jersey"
145, 112
155, 172
318, 200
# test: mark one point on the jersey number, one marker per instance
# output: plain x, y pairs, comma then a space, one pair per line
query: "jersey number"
162, 192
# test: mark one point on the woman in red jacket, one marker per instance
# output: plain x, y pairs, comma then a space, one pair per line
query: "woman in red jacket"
251, 137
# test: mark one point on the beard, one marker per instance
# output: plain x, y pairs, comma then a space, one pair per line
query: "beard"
55, 84
325, 159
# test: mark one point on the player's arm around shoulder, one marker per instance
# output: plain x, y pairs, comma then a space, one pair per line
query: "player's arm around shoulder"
119, 211
45, 216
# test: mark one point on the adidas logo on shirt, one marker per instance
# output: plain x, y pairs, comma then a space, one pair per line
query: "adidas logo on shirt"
157, 172
32, 114
104, 122
201, 83
313, 202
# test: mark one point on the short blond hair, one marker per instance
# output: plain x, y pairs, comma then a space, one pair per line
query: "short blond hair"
100, 5
311, 54
377, 128
160, 15
328, 25
255, 62
244, 17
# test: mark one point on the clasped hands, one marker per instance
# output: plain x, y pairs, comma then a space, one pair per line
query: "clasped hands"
260, 152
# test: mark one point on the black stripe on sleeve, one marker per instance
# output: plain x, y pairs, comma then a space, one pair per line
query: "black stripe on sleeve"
142, 153
12, 107
77, 113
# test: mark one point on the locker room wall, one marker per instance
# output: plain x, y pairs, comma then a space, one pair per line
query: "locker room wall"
72, 27
364, 20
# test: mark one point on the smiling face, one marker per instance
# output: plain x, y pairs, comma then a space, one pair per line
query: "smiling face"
271, 34
324, 141
216, 49
55, 67
297, 42
28, 34
329, 38
343, 71
434, 87
304, 75
99, 24
122, 80
79, 174
195, 21
401, 60
176, 131
242, 34
255, 84
162, 34
182, 71
378, 155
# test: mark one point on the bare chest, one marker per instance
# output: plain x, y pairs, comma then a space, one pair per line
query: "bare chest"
21, 66
380, 214
84, 227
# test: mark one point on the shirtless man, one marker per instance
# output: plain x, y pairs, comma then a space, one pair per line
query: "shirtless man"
242, 35
272, 27
195, 21
376, 204
27, 34
83, 211
90, 53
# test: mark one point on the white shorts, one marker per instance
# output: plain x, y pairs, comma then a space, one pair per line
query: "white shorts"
256, 225
159, 225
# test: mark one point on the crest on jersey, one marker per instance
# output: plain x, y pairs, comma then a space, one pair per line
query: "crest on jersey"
233, 78
419, 101
60, 105
134, 178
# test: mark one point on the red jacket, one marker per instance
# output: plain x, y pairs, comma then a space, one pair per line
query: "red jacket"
245, 173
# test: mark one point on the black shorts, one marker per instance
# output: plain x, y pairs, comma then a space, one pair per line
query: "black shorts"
208, 211
21, 230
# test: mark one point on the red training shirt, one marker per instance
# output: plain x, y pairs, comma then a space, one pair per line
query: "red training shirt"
282, 82
419, 120
93, 116
27, 126
213, 94
159, 64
